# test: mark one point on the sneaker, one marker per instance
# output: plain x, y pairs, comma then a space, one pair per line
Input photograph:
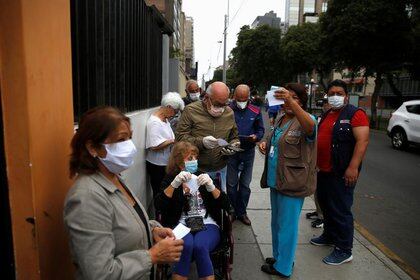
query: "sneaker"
311, 215
318, 223
338, 257
321, 241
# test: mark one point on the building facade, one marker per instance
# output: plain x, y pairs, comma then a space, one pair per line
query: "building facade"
269, 19
300, 11
189, 45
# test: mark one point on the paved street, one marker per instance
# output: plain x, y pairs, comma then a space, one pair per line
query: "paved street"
387, 197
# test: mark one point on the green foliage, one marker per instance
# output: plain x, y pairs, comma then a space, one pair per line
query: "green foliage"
374, 34
256, 59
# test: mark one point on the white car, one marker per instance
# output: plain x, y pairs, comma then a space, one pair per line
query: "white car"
404, 125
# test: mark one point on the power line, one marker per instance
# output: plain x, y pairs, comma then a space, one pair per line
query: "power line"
237, 11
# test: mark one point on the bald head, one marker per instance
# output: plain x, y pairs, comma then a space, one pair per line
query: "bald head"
218, 92
241, 93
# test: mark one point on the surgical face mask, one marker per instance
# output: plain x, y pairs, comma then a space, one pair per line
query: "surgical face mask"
191, 166
242, 105
216, 111
194, 96
336, 101
119, 156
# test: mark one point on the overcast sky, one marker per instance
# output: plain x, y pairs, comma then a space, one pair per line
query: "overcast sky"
208, 26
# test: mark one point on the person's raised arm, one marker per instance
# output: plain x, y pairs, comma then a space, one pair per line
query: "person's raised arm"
304, 118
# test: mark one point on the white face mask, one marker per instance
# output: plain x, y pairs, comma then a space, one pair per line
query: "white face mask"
194, 96
119, 156
242, 105
336, 101
216, 111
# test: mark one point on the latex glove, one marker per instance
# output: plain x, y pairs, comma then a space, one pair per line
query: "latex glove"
181, 178
204, 179
227, 152
210, 142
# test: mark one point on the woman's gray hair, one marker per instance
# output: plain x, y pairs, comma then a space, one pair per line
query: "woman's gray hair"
173, 100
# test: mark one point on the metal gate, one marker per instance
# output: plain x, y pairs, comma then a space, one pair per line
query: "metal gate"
117, 54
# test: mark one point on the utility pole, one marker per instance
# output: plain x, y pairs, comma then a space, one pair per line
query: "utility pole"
224, 43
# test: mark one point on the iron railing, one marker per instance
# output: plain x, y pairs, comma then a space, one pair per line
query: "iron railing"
117, 54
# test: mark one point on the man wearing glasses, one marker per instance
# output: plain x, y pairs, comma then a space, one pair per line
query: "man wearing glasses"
210, 125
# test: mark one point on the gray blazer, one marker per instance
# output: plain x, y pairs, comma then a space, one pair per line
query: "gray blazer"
107, 238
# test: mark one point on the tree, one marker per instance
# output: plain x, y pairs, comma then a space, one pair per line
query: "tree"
369, 34
256, 59
302, 51
231, 76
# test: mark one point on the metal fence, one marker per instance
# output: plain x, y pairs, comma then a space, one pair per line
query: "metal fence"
117, 54
407, 86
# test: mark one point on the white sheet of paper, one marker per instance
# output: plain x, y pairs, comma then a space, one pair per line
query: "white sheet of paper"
272, 101
222, 142
274, 87
180, 231
192, 184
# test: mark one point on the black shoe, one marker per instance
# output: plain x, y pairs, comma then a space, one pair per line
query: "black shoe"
270, 261
311, 215
245, 220
318, 223
269, 269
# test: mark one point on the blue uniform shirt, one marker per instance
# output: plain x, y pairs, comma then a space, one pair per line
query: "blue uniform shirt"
249, 121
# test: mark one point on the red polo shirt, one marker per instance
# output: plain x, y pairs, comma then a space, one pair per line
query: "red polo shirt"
325, 131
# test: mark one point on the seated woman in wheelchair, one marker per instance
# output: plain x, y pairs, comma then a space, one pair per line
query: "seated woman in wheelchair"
192, 199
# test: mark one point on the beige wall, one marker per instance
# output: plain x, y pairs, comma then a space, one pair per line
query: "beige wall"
36, 87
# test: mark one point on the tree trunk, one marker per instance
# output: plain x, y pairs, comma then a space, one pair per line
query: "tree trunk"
321, 80
374, 99
394, 88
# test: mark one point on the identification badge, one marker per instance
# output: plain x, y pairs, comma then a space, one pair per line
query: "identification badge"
345, 121
271, 151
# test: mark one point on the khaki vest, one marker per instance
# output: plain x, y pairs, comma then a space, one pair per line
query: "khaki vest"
296, 166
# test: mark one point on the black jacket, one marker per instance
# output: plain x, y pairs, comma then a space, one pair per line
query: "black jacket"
171, 208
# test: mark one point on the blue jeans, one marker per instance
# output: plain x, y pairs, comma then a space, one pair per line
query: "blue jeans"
239, 176
219, 174
197, 247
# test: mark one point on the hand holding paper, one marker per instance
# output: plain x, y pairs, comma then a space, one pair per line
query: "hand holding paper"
180, 231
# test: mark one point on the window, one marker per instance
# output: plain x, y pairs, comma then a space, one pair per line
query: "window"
414, 109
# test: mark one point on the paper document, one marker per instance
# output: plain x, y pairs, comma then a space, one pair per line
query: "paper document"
272, 101
180, 231
193, 184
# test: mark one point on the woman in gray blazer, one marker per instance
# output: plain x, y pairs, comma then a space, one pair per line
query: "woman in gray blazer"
110, 234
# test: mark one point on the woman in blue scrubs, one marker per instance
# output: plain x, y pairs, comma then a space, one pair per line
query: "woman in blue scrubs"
290, 173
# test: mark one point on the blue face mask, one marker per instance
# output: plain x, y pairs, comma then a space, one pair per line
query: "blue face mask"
191, 166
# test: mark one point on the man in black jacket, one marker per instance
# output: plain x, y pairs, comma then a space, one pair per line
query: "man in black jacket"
193, 92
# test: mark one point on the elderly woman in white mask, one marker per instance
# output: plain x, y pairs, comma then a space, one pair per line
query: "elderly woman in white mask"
160, 138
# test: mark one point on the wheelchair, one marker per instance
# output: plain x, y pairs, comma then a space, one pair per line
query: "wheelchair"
221, 257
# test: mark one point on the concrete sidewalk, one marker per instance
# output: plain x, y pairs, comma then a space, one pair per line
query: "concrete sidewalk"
253, 244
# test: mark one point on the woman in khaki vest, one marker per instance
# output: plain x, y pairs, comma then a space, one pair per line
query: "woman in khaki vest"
290, 173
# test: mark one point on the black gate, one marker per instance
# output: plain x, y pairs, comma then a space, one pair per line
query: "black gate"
117, 54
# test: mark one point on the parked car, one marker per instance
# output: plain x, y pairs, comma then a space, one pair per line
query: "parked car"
404, 125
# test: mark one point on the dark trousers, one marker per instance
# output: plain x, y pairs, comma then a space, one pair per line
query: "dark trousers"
336, 200
238, 184
156, 174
